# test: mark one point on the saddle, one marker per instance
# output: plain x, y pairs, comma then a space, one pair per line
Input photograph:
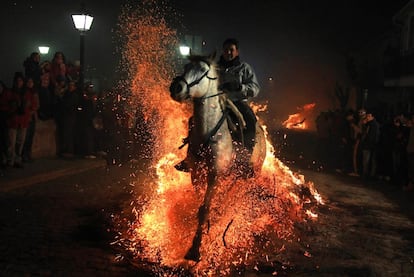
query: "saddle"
236, 125
235, 122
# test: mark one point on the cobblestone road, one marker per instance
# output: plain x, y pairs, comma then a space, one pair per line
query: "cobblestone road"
59, 228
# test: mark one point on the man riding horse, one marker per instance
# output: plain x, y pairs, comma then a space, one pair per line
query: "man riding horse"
239, 82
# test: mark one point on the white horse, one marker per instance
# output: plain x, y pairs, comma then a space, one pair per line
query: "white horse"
211, 151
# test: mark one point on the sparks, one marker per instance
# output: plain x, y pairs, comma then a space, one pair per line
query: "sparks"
165, 216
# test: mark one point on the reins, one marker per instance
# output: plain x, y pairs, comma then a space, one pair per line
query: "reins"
196, 82
214, 95
223, 116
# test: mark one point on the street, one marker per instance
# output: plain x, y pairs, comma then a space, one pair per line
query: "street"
95, 118
362, 230
63, 227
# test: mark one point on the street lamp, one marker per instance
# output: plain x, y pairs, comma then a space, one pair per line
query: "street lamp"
44, 50
83, 23
185, 50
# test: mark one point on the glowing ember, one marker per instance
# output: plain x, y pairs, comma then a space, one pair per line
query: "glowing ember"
298, 120
250, 220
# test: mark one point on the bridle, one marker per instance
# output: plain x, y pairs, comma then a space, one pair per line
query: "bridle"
197, 81
225, 111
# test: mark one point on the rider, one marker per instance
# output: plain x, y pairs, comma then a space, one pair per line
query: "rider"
239, 81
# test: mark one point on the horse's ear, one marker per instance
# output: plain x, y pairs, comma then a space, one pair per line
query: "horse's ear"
212, 56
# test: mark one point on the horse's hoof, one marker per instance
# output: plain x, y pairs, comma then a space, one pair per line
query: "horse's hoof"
192, 255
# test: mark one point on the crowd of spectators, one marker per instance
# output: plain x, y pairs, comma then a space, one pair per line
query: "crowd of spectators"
90, 124
49, 91
358, 144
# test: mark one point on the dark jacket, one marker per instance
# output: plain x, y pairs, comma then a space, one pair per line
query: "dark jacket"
371, 135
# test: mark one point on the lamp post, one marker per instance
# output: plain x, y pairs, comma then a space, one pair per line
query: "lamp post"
185, 50
83, 23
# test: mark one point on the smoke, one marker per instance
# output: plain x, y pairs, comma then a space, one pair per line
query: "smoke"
299, 81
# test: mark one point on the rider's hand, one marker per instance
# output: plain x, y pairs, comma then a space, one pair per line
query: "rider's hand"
235, 95
231, 86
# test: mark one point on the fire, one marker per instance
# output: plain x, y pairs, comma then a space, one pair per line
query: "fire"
250, 220
298, 120
265, 207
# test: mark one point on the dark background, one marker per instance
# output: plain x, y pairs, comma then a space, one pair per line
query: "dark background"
301, 45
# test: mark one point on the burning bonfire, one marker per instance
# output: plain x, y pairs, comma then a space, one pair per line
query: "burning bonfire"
252, 221
298, 120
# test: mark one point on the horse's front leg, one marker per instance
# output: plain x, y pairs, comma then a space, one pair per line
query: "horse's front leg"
203, 218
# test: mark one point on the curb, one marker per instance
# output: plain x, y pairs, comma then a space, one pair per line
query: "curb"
47, 175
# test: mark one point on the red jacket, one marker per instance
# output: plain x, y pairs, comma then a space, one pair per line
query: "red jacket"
22, 108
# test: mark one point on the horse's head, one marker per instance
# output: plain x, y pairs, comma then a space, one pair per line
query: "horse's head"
195, 82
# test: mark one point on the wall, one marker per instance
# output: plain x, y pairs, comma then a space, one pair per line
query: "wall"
44, 144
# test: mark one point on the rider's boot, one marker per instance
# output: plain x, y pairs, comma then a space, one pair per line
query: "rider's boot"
183, 165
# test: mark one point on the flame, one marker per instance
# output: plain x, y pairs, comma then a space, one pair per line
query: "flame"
256, 107
267, 206
298, 120
251, 219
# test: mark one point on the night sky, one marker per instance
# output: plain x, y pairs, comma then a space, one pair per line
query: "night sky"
300, 44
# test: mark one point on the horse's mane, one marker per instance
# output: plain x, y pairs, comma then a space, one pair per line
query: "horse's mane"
209, 59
